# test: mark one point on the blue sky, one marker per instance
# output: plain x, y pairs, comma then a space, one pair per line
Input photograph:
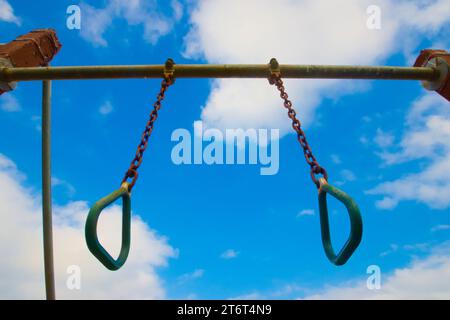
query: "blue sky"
225, 231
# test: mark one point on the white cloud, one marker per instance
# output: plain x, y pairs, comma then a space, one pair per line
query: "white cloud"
21, 248
336, 159
106, 108
177, 8
366, 119
37, 122
426, 138
431, 186
287, 291
306, 212
440, 227
392, 248
427, 131
364, 140
387, 203
249, 296
422, 279
96, 21
229, 254
69, 188
383, 139
221, 32
196, 274
7, 13
417, 247
427, 16
422, 247
9, 103
348, 175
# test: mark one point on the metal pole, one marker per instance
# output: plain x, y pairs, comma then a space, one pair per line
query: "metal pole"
219, 71
47, 190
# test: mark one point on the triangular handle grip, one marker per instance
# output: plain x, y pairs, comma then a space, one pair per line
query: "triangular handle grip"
91, 228
356, 226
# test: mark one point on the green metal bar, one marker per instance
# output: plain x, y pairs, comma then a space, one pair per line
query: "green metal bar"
47, 190
218, 71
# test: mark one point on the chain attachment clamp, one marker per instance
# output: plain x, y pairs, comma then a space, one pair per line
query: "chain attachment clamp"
169, 71
274, 70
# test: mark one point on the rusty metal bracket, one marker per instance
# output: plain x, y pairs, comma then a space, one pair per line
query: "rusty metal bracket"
274, 70
169, 71
439, 61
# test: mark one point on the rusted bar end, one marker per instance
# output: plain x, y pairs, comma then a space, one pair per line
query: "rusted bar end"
34, 49
439, 60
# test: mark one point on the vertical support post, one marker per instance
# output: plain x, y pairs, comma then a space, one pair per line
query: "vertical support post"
47, 190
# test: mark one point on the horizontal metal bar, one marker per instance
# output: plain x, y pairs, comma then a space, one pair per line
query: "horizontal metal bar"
218, 71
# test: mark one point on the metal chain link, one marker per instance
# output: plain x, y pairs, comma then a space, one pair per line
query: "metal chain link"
316, 168
132, 173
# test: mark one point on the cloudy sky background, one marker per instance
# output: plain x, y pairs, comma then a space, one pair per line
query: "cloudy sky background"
225, 231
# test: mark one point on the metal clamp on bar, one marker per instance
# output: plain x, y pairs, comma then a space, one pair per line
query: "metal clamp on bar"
274, 70
168, 72
91, 228
356, 226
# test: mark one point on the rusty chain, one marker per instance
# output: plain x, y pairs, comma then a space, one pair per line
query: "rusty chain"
167, 81
316, 168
